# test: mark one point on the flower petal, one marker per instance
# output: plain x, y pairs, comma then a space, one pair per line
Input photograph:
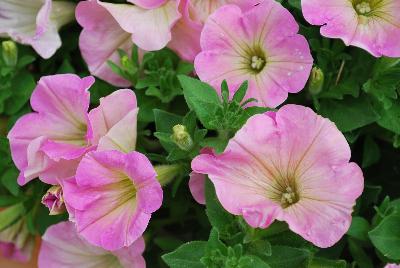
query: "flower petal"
150, 28
99, 27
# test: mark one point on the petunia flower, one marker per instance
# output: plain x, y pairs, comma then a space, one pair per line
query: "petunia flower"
149, 23
63, 247
54, 200
368, 24
99, 27
35, 23
392, 265
50, 142
291, 165
112, 196
186, 32
260, 45
16, 243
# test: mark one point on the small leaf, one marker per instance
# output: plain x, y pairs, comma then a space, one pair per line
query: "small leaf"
386, 236
11, 214
241, 92
187, 255
359, 228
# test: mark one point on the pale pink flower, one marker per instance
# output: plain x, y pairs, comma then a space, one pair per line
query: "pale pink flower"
186, 32
112, 197
100, 40
50, 142
16, 243
371, 25
63, 247
260, 45
149, 23
292, 166
392, 265
35, 23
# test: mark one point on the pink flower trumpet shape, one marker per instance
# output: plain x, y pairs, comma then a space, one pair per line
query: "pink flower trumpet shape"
291, 165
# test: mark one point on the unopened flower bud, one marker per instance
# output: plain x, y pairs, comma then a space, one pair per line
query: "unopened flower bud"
316, 82
54, 200
10, 53
166, 173
127, 65
182, 138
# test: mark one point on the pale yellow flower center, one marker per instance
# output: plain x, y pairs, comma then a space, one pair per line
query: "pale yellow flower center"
288, 197
257, 63
363, 8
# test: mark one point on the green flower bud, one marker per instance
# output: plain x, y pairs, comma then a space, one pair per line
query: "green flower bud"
10, 53
316, 81
182, 138
166, 173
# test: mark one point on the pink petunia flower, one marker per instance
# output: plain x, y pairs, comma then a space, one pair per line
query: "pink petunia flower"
149, 23
99, 27
35, 23
260, 45
186, 32
291, 165
50, 142
112, 197
16, 243
392, 265
371, 25
63, 247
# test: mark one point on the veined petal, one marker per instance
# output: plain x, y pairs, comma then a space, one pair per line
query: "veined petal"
112, 197
63, 247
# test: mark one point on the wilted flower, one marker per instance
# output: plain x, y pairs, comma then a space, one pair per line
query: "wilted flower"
63, 247
260, 45
371, 25
291, 165
54, 200
35, 23
112, 197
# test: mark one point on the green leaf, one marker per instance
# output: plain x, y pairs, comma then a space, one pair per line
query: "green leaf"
390, 118
359, 255
326, 263
11, 214
241, 92
285, 256
22, 87
386, 236
164, 122
251, 261
9, 180
350, 113
359, 228
201, 98
371, 152
187, 255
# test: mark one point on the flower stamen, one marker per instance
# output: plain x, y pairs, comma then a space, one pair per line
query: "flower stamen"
363, 8
257, 63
